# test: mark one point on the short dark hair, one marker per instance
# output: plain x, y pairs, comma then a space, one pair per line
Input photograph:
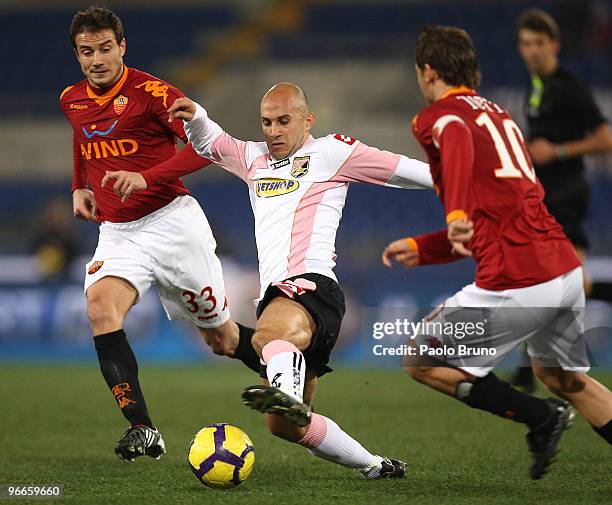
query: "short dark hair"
450, 52
95, 19
538, 21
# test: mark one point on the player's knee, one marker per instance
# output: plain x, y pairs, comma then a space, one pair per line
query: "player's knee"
103, 315
218, 344
263, 336
281, 321
572, 382
223, 340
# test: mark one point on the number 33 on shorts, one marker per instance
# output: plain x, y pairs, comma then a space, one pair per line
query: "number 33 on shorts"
204, 304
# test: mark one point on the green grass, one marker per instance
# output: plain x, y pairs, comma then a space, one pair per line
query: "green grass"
58, 426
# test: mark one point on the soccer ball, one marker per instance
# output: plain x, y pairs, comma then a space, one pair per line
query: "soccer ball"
221, 455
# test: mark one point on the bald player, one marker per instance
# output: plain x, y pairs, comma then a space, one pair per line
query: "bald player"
298, 186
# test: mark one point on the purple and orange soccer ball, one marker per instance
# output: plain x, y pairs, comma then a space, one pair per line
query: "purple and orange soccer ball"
221, 456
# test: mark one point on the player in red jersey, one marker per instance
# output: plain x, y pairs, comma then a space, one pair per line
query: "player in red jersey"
528, 280
159, 235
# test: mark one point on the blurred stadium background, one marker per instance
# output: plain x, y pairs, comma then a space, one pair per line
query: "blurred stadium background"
355, 60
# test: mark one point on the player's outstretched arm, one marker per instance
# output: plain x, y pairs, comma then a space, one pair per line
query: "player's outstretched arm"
208, 138
410, 174
429, 249
200, 129
404, 251
84, 204
374, 166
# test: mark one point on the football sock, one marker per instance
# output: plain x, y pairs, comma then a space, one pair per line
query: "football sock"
286, 367
245, 351
602, 291
498, 397
605, 431
120, 370
326, 440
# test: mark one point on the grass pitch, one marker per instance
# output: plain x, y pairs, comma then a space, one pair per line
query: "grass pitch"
59, 425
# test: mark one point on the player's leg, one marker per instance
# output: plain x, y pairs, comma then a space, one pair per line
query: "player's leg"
108, 301
325, 439
118, 276
560, 359
591, 398
486, 392
546, 419
280, 426
233, 340
284, 329
301, 314
471, 379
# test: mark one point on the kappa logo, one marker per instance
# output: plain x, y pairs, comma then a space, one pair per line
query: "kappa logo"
97, 265
156, 88
77, 106
300, 166
280, 164
267, 188
120, 103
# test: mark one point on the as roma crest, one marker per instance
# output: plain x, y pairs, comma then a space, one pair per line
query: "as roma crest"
300, 166
96, 265
120, 103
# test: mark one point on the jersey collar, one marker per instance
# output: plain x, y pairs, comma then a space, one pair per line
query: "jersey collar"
102, 100
459, 90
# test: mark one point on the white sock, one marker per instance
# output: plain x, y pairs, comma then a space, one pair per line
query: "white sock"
286, 367
326, 440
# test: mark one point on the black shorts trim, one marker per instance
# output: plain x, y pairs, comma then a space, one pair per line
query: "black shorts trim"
326, 306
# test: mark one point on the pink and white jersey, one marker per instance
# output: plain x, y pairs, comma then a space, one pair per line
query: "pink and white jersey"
297, 201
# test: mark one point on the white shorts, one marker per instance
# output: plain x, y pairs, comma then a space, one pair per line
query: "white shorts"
549, 316
172, 247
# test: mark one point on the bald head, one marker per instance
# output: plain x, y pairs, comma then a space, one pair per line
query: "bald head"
285, 118
289, 93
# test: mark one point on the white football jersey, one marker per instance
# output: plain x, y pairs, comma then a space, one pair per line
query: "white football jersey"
297, 201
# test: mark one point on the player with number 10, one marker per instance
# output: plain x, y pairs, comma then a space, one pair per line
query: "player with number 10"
528, 280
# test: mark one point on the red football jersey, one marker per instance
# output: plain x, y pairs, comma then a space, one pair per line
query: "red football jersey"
482, 170
127, 128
